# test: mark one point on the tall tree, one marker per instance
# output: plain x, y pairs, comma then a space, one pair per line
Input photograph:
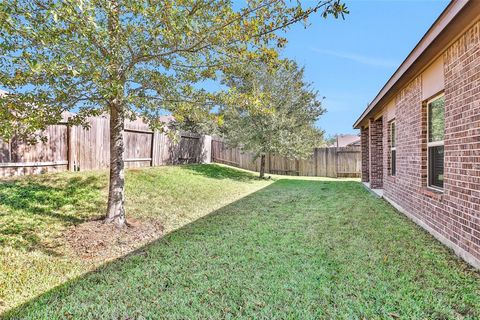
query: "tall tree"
128, 58
275, 112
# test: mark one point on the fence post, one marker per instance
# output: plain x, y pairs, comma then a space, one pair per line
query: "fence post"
206, 152
70, 148
152, 150
269, 163
212, 147
336, 162
326, 162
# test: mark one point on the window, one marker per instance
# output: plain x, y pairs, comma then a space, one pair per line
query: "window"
436, 133
393, 149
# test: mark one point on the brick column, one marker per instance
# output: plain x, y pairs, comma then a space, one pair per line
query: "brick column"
365, 154
376, 153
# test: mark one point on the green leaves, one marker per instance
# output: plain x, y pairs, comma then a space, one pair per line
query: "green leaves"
152, 56
271, 110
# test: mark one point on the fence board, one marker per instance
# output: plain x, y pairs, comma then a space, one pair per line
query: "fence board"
79, 149
49, 156
188, 150
138, 146
324, 162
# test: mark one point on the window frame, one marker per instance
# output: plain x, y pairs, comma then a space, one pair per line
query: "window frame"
440, 143
393, 148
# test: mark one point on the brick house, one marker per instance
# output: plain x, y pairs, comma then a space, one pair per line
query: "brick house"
420, 136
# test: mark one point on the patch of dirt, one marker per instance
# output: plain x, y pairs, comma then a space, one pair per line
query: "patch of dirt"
99, 241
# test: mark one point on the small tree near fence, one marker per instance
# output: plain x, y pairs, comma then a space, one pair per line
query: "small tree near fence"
129, 58
283, 122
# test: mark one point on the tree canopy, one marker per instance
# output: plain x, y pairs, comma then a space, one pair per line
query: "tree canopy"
283, 121
130, 58
81, 55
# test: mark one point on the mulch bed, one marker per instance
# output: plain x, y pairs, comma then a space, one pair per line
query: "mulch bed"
96, 240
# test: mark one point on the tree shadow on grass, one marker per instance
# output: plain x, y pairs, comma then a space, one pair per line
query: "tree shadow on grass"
271, 252
216, 171
30, 207
213, 223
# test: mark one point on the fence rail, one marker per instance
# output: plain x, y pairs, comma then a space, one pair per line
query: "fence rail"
324, 162
74, 148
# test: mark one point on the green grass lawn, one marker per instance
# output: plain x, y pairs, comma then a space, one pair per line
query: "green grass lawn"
35, 210
287, 248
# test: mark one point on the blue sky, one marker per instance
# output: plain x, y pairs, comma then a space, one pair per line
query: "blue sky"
348, 61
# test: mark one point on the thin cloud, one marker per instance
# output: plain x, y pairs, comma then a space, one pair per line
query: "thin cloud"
371, 61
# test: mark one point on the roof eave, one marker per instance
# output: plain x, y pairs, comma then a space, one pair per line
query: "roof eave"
456, 17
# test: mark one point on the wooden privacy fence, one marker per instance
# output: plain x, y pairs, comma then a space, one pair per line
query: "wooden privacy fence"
324, 162
77, 149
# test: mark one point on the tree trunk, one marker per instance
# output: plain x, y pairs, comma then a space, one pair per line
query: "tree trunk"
262, 166
116, 190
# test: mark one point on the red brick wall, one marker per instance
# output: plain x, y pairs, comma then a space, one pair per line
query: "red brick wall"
455, 213
376, 153
405, 187
365, 155
462, 139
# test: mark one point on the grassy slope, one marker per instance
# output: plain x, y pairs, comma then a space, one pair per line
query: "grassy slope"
35, 210
296, 249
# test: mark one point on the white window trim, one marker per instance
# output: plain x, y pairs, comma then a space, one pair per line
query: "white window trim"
435, 143
432, 144
392, 123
